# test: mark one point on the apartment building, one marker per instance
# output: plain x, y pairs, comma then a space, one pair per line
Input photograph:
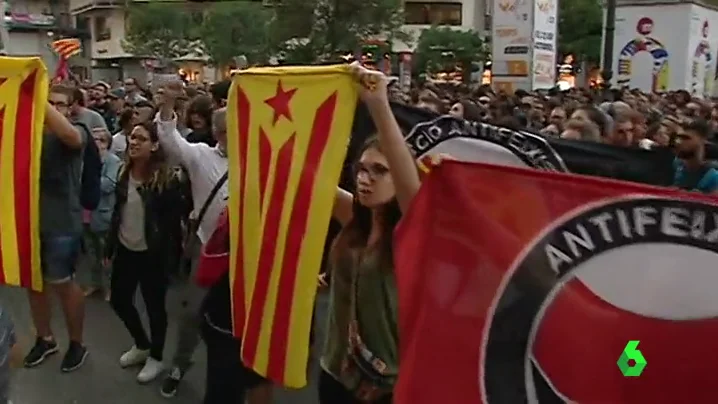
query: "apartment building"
33, 24
105, 21
458, 14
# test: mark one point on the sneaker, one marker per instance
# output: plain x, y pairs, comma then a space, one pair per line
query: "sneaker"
171, 383
150, 371
74, 357
134, 357
42, 349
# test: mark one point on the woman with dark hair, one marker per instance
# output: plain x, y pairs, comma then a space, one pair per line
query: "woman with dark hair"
360, 359
142, 240
199, 121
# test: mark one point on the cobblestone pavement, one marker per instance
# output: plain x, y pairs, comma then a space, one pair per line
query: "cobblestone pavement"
101, 380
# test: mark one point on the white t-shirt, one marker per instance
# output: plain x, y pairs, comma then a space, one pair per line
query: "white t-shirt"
132, 223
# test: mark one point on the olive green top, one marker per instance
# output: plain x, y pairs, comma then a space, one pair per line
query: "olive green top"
376, 314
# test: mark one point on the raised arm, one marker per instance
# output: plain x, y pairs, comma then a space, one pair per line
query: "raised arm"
401, 163
176, 147
65, 131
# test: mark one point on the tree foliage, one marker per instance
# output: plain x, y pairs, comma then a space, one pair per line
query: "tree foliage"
440, 48
306, 31
221, 30
231, 29
580, 27
163, 31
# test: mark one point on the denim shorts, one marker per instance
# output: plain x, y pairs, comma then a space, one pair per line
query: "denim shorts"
58, 257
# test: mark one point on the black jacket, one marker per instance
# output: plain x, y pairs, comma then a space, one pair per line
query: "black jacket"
164, 213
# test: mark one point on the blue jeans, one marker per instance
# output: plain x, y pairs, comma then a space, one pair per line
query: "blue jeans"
58, 256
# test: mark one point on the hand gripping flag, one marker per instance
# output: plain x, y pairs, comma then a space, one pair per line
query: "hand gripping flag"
288, 135
23, 96
529, 284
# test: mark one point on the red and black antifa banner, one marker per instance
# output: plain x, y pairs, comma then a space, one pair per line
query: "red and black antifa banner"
524, 286
475, 141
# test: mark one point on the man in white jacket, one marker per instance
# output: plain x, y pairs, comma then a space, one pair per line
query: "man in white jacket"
205, 166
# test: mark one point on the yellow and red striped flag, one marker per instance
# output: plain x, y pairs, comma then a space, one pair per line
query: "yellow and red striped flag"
288, 134
23, 96
67, 47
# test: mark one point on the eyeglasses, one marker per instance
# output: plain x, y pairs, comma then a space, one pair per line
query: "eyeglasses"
374, 171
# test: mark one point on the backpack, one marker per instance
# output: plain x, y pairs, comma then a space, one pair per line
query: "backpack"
91, 173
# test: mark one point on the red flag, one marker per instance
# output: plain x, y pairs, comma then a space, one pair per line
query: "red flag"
526, 286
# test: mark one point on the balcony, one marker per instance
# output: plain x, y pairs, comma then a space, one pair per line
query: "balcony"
29, 21
82, 6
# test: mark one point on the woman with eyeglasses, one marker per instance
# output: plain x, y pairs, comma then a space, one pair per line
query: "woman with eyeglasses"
143, 238
360, 359
96, 230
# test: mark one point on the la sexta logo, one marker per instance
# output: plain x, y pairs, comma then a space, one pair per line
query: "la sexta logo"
613, 271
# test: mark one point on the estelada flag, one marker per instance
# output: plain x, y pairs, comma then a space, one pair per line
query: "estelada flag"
520, 285
23, 97
289, 130
66, 47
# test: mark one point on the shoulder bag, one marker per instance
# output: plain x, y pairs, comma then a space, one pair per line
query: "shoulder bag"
375, 379
193, 225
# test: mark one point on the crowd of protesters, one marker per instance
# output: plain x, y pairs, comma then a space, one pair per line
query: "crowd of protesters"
164, 196
624, 118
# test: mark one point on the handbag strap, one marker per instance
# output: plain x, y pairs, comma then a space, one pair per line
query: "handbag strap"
354, 315
211, 196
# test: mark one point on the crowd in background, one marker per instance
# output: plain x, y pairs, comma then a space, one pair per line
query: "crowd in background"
164, 194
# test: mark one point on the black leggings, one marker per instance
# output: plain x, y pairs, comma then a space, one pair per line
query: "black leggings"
331, 391
132, 268
227, 378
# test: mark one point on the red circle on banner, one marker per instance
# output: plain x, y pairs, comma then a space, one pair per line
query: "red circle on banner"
644, 26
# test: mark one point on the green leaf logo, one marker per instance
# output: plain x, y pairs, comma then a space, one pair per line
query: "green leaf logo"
630, 352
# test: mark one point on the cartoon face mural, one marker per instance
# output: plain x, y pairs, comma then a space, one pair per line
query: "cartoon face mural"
702, 53
644, 43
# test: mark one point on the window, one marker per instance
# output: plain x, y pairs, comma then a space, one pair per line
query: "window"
101, 29
428, 13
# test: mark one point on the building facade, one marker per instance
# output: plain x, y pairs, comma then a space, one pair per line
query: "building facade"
105, 21
33, 24
458, 14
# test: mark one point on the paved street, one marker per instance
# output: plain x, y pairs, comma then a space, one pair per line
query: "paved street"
101, 380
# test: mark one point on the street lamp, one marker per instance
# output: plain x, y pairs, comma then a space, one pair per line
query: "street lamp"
607, 72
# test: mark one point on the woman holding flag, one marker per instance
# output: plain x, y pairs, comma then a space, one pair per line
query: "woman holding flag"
360, 360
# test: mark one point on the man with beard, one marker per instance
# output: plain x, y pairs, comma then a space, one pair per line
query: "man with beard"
692, 172
99, 102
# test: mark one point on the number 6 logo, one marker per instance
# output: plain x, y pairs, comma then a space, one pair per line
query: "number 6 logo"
631, 353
